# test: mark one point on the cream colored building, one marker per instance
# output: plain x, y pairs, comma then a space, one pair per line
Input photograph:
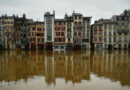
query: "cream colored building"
69, 32
109, 34
8, 37
123, 29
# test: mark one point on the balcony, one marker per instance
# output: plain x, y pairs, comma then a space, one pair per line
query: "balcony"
125, 31
119, 32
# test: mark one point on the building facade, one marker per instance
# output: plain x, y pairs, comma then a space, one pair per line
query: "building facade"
36, 35
49, 29
7, 36
72, 32
78, 29
60, 34
97, 35
123, 29
86, 33
21, 26
104, 34
69, 32
2, 28
109, 34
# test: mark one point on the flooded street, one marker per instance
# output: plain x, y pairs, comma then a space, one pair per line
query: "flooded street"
74, 70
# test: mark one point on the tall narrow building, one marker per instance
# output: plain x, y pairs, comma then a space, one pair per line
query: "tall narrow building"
2, 30
69, 32
36, 35
9, 32
21, 26
97, 35
86, 33
59, 34
49, 29
78, 29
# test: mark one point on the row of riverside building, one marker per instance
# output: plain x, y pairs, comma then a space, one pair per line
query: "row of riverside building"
72, 32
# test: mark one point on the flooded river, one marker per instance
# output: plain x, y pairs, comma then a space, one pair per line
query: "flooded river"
73, 70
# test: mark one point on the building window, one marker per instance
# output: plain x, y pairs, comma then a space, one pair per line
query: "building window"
68, 29
33, 28
57, 23
79, 34
56, 47
38, 39
125, 39
100, 33
114, 39
63, 39
95, 38
100, 27
63, 23
95, 28
110, 32
126, 18
62, 47
114, 27
42, 40
34, 39
119, 39
69, 39
55, 39
39, 29
105, 45
114, 33
63, 28
109, 39
75, 23
56, 34
79, 23
49, 38
100, 38
105, 39
75, 33
110, 26
105, 32
62, 33
79, 17
95, 32
105, 26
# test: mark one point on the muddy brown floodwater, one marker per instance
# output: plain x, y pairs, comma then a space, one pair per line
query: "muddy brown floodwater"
71, 70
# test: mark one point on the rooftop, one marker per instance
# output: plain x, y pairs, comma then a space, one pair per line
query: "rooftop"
60, 20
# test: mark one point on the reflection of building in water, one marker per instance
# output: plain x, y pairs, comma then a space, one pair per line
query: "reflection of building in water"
71, 66
80, 65
20, 65
113, 65
59, 63
49, 68
86, 65
68, 66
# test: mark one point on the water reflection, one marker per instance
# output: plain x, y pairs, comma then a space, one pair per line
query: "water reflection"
113, 65
71, 66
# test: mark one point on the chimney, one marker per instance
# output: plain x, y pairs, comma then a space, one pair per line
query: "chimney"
24, 16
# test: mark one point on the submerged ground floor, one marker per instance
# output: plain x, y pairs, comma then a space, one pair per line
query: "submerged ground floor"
111, 46
47, 46
62, 47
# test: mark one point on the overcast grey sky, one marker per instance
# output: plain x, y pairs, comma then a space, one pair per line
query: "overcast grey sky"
36, 8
